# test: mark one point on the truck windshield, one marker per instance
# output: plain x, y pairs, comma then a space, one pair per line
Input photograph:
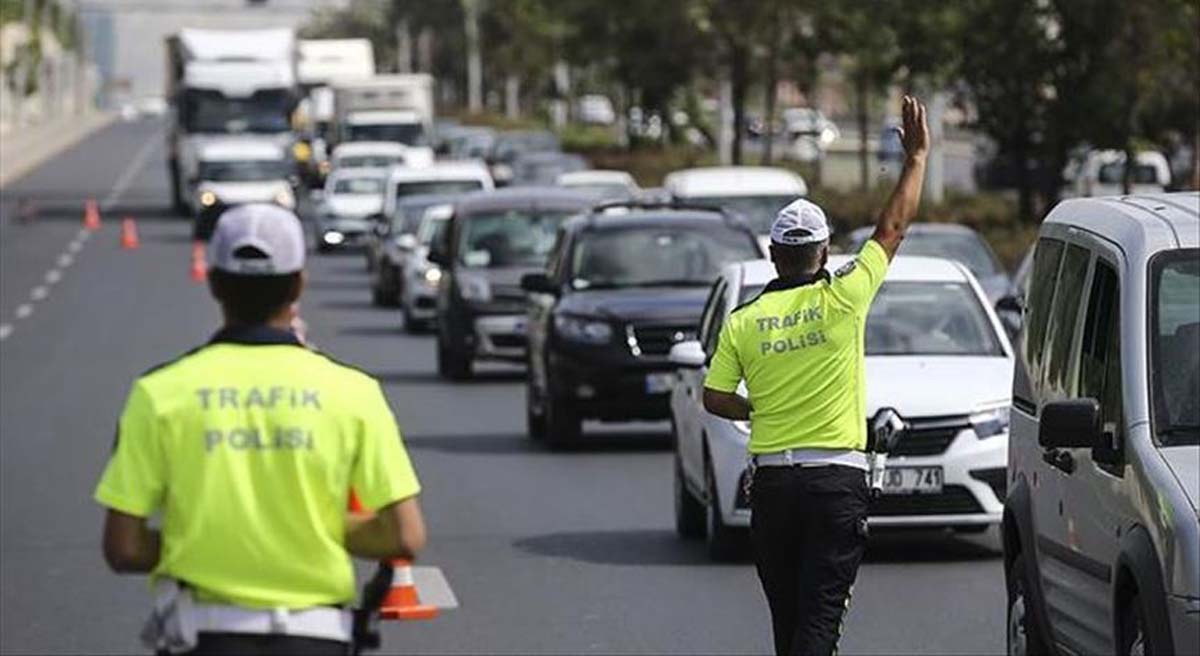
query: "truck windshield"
1175, 346
244, 171
210, 111
409, 134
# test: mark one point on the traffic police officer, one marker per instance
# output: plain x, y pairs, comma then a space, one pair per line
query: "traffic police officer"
800, 349
249, 447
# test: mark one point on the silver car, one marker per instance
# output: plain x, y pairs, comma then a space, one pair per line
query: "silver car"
1101, 524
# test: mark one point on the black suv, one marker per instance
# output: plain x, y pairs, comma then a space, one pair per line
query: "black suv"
494, 238
623, 285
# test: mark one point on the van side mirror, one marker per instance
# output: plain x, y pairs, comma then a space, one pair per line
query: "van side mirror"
1071, 424
538, 283
689, 354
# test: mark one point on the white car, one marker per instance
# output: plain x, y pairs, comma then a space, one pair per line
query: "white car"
1102, 173
238, 170
437, 178
351, 196
606, 184
757, 193
378, 154
936, 354
418, 294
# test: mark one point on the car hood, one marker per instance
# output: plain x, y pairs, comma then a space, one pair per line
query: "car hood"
1184, 462
665, 304
932, 386
353, 205
246, 192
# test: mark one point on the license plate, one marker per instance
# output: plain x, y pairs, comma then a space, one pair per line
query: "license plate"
912, 480
658, 383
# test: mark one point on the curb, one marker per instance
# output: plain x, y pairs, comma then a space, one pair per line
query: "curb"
35, 145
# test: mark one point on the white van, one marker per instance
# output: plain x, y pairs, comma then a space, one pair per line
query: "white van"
437, 178
1102, 173
757, 193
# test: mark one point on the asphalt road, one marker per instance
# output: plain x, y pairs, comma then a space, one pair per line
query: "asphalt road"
547, 552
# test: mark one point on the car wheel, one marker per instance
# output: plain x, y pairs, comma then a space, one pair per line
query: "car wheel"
722, 539
563, 423
412, 325
378, 295
535, 416
689, 512
1024, 635
1134, 640
451, 363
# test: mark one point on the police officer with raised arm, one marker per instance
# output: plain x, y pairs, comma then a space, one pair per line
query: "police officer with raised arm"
248, 447
800, 348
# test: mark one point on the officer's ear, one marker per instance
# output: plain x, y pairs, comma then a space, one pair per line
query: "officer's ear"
824, 255
298, 285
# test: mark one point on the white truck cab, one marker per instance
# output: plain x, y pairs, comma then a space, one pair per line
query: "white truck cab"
757, 193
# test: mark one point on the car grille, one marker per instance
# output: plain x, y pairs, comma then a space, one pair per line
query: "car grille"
928, 436
954, 500
657, 340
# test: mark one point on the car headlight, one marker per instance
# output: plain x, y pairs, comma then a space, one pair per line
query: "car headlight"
284, 198
432, 276
208, 199
587, 331
989, 423
333, 237
474, 288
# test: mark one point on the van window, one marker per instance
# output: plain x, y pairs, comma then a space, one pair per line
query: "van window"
1175, 346
1100, 352
1060, 334
1046, 258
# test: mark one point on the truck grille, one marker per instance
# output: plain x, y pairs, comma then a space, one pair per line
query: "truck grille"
954, 500
657, 340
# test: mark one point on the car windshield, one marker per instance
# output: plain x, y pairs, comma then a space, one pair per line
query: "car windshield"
1175, 347
368, 161
422, 187
372, 185
966, 248
758, 211
409, 134
431, 227
929, 318
254, 170
749, 292
659, 255
409, 215
513, 238
1115, 173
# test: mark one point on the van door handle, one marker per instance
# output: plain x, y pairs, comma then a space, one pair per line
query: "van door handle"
1060, 459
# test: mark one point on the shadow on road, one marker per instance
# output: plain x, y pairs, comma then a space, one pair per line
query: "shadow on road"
519, 443
341, 285
356, 269
928, 546
431, 377
647, 547
347, 304
376, 330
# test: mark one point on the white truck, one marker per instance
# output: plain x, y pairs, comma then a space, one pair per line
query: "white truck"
323, 63
223, 82
385, 108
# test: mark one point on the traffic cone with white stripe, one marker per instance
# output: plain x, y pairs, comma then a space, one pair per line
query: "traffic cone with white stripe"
402, 602
91, 215
199, 270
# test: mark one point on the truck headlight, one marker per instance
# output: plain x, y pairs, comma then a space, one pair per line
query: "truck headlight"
474, 288
587, 331
989, 423
284, 199
208, 199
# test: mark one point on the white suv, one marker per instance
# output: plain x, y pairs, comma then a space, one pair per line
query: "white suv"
936, 354
1101, 527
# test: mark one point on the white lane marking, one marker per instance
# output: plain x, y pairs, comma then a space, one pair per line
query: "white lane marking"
38, 293
75, 246
24, 310
5, 330
135, 167
433, 588
53, 276
65, 260
83, 235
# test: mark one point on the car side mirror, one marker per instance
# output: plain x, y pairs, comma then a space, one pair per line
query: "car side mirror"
1071, 424
538, 283
439, 254
406, 242
688, 354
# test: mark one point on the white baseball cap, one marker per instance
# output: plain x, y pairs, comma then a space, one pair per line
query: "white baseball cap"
257, 239
801, 222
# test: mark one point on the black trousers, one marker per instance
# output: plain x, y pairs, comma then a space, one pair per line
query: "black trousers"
219, 644
809, 531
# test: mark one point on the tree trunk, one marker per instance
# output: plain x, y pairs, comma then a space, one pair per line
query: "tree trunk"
772, 82
403, 47
739, 82
474, 58
512, 97
1020, 155
863, 92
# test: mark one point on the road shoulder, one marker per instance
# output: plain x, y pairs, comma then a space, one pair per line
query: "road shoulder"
24, 149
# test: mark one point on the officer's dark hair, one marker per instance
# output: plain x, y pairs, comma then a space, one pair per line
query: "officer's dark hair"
798, 260
253, 299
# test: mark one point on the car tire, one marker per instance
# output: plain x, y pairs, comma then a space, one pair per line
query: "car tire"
412, 325
564, 426
722, 540
1134, 639
535, 421
1024, 635
378, 297
452, 364
689, 512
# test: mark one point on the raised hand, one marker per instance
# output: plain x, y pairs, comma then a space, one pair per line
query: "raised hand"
914, 135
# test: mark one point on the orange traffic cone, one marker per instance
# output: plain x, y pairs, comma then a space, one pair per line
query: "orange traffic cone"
129, 235
402, 602
199, 268
91, 215
355, 504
